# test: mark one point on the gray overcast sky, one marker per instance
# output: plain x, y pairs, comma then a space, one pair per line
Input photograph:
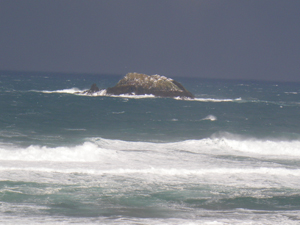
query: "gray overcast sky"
244, 39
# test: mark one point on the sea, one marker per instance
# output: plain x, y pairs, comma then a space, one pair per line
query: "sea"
231, 155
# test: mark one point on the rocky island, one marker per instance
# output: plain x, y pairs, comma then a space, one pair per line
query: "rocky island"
142, 84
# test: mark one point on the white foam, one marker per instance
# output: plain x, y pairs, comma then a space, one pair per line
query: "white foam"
211, 99
196, 217
75, 129
262, 147
122, 112
210, 117
100, 150
164, 171
133, 95
87, 152
73, 90
102, 92
190, 161
98, 93
231, 144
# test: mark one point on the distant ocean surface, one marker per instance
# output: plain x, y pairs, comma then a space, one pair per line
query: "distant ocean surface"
229, 156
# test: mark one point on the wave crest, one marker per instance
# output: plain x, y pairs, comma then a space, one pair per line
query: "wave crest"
82, 153
216, 99
100, 149
73, 90
210, 117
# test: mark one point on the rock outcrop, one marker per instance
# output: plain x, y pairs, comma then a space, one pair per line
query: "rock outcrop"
92, 90
142, 84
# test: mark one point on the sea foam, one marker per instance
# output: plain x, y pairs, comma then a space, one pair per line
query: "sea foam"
99, 149
215, 99
87, 152
210, 117
73, 90
103, 92
234, 145
164, 171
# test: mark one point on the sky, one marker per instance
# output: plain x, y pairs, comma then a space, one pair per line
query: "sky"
228, 39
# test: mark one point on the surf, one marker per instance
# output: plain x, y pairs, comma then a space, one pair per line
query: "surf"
94, 149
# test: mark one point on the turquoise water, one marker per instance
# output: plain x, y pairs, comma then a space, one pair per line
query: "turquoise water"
229, 156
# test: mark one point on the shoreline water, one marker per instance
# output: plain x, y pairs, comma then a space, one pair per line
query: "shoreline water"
231, 156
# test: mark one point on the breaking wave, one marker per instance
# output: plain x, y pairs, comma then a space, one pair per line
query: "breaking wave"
210, 117
165, 172
100, 149
215, 100
103, 92
63, 91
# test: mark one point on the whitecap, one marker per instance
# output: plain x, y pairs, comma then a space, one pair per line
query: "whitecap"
292, 92
210, 117
87, 152
133, 96
164, 171
118, 112
210, 99
73, 90
98, 93
224, 144
105, 150
75, 129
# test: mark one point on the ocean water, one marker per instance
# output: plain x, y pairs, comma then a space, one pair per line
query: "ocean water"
229, 156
